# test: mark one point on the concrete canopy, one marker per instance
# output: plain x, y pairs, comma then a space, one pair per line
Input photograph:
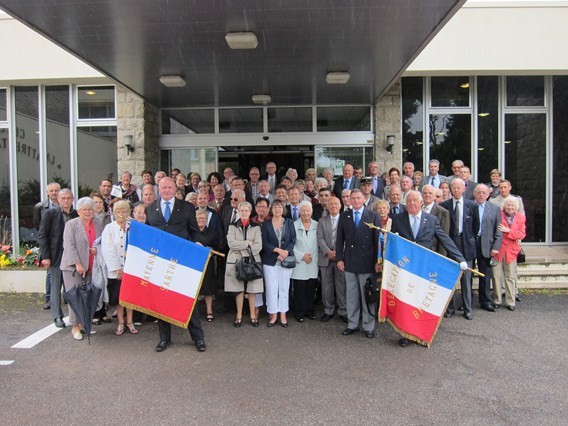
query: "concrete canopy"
299, 41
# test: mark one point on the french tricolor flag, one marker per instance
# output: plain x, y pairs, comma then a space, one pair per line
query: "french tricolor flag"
162, 274
416, 288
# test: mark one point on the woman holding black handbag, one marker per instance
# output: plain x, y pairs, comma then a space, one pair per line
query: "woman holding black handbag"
243, 234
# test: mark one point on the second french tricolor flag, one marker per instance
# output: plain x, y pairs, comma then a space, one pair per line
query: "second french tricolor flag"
162, 274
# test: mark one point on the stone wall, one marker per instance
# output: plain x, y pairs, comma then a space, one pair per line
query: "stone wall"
139, 119
388, 121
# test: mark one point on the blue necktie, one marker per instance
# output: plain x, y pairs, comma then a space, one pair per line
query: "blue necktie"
346, 184
168, 212
294, 213
415, 226
357, 219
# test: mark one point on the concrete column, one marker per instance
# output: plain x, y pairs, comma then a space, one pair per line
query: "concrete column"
388, 121
138, 119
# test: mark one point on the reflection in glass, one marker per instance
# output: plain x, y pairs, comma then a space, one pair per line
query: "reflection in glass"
344, 119
525, 167
525, 91
200, 160
57, 135
27, 154
450, 91
560, 161
96, 102
450, 139
412, 121
188, 121
487, 127
5, 211
241, 120
3, 111
96, 157
289, 120
337, 157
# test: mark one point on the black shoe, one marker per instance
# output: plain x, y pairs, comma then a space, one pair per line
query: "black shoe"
326, 317
200, 345
312, 317
162, 346
299, 319
369, 334
59, 323
449, 314
488, 308
460, 309
284, 324
343, 318
497, 306
403, 342
349, 331
271, 324
518, 298
468, 315
46, 306
511, 307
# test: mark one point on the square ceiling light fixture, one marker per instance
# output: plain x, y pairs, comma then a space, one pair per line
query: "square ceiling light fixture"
262, 99
172, 81
337, 77
241, 40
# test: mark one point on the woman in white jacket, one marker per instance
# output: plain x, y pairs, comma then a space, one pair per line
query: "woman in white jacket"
306, 271
113, 244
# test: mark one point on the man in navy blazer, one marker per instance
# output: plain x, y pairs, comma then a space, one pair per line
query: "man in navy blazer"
182, 223
356, 249
464, 226
429, 232
347, 181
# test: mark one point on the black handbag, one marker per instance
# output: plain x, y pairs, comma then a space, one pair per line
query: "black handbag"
248, 269
289, 262
372, 290
521, 258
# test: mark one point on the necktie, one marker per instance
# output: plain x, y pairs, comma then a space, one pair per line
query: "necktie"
346, 184
375, 184
415, 226
219, 207
457, 218
234, 215
394, 210
294, 213
432, 181
167, 212
357, 219
333, 230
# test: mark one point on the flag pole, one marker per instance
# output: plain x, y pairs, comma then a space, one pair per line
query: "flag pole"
373, 226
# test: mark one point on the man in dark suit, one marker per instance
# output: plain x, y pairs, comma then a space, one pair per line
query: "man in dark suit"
396, 206
434, 178
429, 206
423, 228
487, 243
356, 253
465, 175
378, 182
347, 181
464, 225
175, 217
238, 183
271, 176
51, 248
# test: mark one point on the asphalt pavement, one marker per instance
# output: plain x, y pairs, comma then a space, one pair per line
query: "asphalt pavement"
501, 368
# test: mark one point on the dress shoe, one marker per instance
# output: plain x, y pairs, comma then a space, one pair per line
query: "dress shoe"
369, 334
488, 308
518, 298
449, 314
284, 324
312, 317
460, 309
349, 331
497, 305
468, 315
46, 306
403, 342
326, 317
59, 323
271, 324
162, 346
299, 319
511, 307
343, 318
200, 345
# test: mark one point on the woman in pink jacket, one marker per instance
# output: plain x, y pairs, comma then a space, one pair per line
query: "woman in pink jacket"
505, 270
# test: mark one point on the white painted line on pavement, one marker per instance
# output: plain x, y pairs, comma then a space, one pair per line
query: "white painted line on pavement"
39, 336
6, 362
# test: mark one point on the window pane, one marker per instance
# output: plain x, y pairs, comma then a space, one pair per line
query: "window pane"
5, 210
487, 127
337, 157
96, 102
96, 157
3, 112
450, 139
413, 121
27, 153
189, 121
57, 135
289, 120
560, 161
200, 160
525, 91
244, 120
525, 167
344, 119
450, 91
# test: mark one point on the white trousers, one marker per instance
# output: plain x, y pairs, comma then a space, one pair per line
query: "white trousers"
277, 283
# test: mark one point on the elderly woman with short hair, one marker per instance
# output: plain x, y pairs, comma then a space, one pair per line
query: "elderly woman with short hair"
382, 209
242, 235
79, 254
513, 227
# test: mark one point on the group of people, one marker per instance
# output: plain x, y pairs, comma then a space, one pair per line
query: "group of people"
306, 233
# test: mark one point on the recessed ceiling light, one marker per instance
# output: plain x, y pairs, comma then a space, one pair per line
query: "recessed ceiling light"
242, 40
441, 134
481, 149
464, 86
262, 99
483, 114
172, 81
90, 92
419, 143
507, 142
337, 77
